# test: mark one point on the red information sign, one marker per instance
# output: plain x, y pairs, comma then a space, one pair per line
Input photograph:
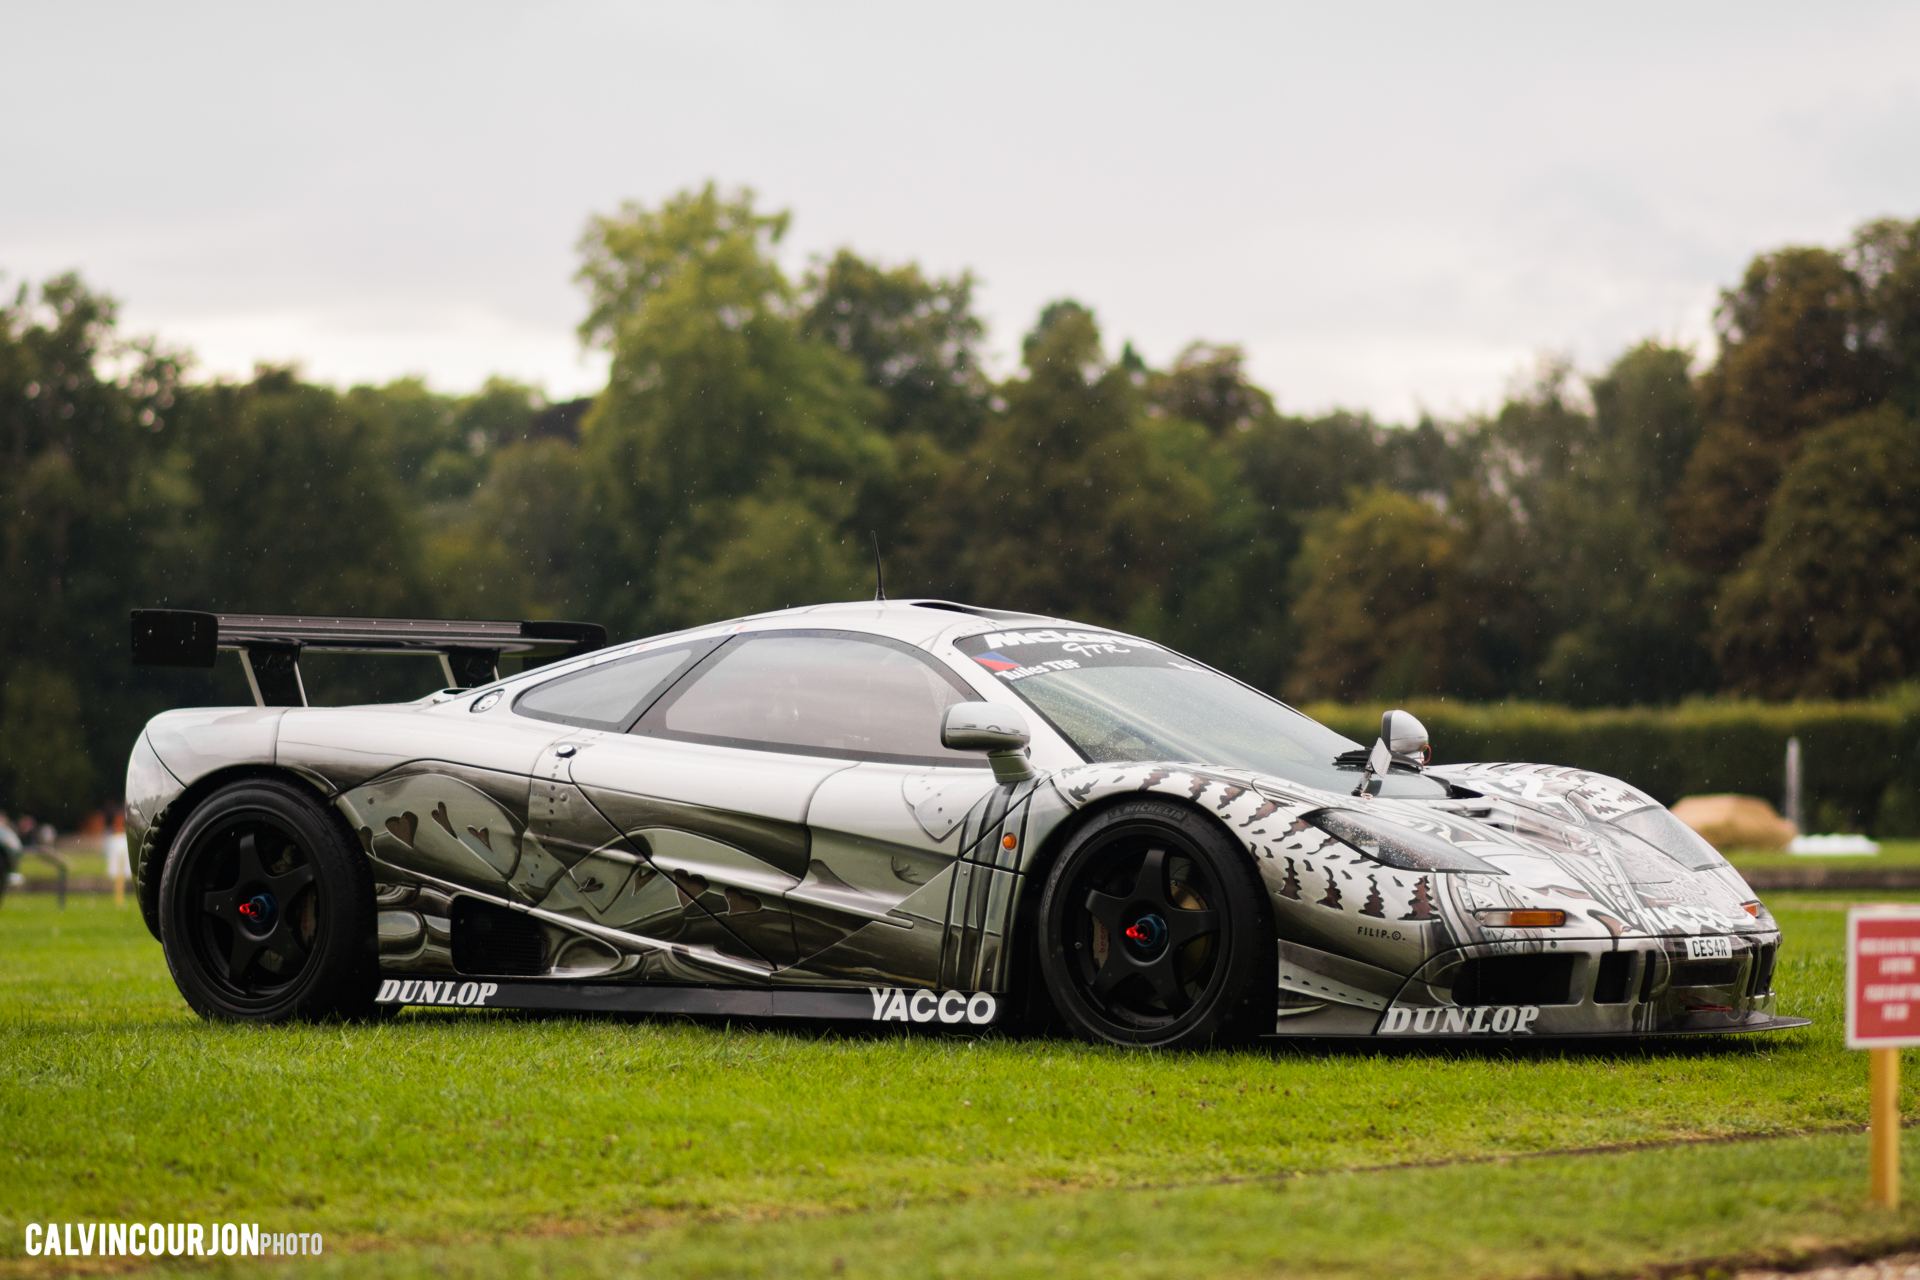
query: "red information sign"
1883, 977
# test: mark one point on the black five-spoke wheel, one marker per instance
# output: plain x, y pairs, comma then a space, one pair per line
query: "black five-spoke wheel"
258, 929
1153, 932
1151, 942
266, 908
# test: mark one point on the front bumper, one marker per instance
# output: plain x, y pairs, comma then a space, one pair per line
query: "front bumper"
1604, 987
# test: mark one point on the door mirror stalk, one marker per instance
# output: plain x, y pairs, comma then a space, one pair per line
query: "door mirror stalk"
992, 727
1403, 741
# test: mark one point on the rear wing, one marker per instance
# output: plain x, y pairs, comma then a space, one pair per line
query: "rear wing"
270, 646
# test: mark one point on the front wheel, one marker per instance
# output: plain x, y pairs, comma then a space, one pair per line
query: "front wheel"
1154, 931
266, 909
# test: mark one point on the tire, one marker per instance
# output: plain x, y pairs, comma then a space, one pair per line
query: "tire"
1155, 931
266, 909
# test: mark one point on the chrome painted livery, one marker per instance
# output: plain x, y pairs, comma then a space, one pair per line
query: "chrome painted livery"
562, 865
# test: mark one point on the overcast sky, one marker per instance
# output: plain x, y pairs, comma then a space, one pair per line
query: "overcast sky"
1390, 207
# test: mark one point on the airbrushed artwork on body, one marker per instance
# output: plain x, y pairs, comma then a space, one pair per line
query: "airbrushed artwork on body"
635, 906
1577, 819
1576, 862
672, 903
1387, 940
432, 835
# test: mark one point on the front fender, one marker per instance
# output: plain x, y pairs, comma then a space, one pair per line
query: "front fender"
1261, 821
1257, 819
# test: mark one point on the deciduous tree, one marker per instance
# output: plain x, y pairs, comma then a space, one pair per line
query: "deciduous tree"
1829, 603
1065, 504
1378, 585
916, 340
1790, 360
719, 409
94, 491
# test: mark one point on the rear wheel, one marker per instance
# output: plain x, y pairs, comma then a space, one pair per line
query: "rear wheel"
266, 909
1154, 931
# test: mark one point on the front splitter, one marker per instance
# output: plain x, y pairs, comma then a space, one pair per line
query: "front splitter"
1760, 1022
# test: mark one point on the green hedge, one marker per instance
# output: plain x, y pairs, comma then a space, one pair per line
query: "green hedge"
1860, 760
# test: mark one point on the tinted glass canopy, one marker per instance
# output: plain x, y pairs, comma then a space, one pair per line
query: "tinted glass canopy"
610, 695
1119, 698
817, 693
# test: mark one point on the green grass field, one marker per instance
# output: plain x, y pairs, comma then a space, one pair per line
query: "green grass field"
482, 1144
1903, 854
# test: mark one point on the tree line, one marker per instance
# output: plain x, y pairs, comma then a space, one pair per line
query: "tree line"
1635, 536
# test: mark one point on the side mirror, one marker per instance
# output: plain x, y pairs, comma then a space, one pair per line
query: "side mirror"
1405, 737
992, 727
1402, 739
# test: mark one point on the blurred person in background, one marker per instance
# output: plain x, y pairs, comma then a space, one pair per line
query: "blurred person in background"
11, 851
113, 842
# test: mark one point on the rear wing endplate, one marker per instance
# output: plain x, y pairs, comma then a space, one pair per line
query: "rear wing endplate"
270, 645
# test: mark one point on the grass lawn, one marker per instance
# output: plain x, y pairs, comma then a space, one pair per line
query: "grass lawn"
1893, 853
464, 1143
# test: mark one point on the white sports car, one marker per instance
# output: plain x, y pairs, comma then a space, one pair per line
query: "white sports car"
909, 811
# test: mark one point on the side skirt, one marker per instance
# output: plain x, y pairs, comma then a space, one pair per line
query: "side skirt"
870, 1004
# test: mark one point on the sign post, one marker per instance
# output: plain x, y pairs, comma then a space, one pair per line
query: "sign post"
1883, 1017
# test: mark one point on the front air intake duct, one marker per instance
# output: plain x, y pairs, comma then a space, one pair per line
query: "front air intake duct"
1527, 979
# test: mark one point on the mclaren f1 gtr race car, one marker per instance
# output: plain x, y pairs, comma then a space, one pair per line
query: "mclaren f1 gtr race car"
903, 811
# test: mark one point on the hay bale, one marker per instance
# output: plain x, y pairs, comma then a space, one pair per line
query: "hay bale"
1735, 822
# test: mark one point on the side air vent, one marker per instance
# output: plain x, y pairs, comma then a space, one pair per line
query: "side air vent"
1763, 969
495, 941
1610, 984
1531, 979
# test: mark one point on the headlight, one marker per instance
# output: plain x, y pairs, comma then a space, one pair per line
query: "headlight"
1395, 846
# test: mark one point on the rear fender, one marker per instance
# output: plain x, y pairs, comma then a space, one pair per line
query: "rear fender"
180, 756
149, 856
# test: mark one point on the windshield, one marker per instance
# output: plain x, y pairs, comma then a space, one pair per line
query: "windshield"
1116, 698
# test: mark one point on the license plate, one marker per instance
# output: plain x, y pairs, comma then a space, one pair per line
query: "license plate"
1715, 948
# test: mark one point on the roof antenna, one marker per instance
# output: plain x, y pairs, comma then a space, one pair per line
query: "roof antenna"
879, 578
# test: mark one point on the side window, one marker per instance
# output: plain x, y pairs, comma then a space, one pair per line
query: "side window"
816, 693
611, 695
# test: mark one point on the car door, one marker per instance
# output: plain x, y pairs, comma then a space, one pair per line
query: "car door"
589, 854
780, 773
886, 880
